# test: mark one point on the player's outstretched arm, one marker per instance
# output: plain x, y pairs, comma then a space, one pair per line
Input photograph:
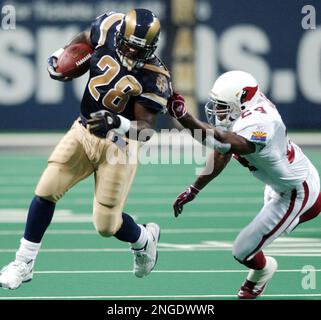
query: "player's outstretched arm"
221, 141
215, 163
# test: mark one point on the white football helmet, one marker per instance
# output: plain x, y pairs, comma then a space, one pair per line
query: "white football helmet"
232, 93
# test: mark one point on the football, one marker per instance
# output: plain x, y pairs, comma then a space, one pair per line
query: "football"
75, 60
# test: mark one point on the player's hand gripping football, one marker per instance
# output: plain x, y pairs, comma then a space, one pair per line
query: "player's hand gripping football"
188, 195
52, 65
176, 106
102, 121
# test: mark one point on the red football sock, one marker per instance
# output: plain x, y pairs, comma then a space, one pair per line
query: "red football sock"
258, 262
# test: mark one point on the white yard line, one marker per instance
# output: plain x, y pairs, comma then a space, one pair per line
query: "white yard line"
160, 180
160, 271
114, 250
164, 231
93, 232
276, 252
147, 201
16, 190
281, 247
16, 215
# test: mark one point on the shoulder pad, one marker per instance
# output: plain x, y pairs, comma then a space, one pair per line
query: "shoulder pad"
157, 66
106, 24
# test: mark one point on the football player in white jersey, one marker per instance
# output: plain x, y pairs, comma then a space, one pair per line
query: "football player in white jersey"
248, 127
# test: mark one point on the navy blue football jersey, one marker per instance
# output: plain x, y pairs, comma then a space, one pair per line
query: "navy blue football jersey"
112, 86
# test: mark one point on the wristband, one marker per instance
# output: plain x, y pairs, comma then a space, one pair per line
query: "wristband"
194, 190
124, 126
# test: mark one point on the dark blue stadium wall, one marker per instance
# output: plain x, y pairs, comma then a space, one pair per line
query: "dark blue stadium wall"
266, 38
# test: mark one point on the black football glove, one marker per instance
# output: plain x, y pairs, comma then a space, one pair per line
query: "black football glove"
102, 121
52, 65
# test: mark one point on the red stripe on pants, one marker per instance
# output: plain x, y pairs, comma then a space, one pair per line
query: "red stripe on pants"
312, 212
285, 217
305, 200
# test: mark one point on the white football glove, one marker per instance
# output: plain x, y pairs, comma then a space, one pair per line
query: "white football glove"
52, 65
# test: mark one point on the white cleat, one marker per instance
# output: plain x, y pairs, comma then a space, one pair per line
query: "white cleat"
15, 273
145, 259
257, 280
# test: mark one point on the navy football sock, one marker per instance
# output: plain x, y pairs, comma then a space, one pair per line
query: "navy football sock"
129, 231
39, 217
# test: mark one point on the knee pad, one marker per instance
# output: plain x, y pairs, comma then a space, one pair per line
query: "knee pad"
49, 186
107, 219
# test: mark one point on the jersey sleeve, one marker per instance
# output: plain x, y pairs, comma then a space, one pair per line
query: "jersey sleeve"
256, 132
157, 88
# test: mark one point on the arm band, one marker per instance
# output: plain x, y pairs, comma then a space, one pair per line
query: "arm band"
124, 126
194, 190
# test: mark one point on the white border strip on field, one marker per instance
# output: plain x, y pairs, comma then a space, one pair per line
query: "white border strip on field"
177, 296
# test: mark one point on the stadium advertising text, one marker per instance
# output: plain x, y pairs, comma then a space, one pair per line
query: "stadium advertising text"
288, 74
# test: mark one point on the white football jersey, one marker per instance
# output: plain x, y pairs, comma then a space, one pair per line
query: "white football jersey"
277, 161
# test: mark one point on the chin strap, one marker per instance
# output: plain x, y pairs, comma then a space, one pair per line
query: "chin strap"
124, 61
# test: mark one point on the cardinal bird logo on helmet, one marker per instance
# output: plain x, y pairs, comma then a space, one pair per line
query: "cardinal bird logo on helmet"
231, 93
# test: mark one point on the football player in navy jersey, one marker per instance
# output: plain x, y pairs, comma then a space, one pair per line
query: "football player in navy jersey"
127, 87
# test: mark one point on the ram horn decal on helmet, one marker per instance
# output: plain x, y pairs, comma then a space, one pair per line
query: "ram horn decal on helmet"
137, 38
